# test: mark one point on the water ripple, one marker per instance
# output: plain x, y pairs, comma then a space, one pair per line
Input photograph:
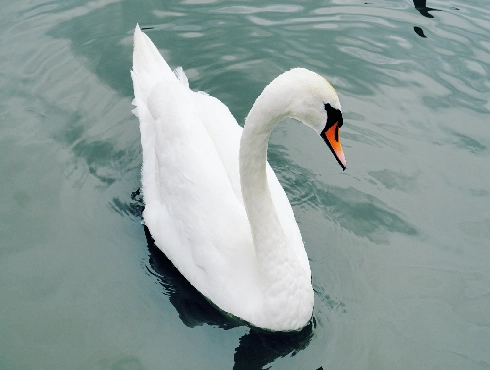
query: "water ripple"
360, 213
410, 214
241, 9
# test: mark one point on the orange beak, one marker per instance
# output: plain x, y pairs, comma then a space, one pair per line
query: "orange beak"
332, 138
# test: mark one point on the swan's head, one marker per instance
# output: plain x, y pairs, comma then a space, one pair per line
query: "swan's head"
317, 105
303, 95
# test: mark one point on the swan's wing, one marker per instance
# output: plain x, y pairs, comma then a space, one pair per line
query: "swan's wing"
192, 211
225, 133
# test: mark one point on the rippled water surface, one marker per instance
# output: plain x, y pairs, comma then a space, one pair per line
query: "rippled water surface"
398, 243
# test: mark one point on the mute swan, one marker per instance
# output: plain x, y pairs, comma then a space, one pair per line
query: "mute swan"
213, 204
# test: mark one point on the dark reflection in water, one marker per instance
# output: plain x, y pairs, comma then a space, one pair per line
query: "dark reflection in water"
421, 6
135, 208
419, 31
256, 349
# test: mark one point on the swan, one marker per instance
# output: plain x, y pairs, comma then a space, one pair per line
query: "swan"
213, 204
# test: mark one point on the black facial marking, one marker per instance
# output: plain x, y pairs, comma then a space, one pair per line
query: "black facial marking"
333, 115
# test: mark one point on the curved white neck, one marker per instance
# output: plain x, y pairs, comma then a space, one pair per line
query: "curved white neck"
286, 284
262, 215
285, 279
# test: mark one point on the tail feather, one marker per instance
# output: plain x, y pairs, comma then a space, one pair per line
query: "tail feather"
180, 74
149, 67
146, 57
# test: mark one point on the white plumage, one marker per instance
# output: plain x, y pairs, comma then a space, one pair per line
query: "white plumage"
212, 203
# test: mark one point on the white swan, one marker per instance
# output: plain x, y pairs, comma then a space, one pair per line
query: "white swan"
213, 204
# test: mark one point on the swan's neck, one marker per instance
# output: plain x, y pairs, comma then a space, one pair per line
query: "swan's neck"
285, 280
267, 231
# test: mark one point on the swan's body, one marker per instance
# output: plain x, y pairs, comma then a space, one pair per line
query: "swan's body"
213, 204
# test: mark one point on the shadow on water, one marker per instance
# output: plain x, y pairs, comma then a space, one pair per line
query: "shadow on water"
256, 349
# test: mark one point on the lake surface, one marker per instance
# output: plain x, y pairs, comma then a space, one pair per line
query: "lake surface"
398, 243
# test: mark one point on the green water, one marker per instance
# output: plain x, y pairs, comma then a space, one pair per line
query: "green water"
398, 243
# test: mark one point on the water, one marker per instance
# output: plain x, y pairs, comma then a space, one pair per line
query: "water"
398, 243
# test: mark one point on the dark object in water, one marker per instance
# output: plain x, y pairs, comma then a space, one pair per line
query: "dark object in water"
419, 31
421, 6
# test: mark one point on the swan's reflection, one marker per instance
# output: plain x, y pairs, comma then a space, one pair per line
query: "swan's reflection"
256, 348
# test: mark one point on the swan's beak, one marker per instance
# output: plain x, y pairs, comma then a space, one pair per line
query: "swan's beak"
332, 138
